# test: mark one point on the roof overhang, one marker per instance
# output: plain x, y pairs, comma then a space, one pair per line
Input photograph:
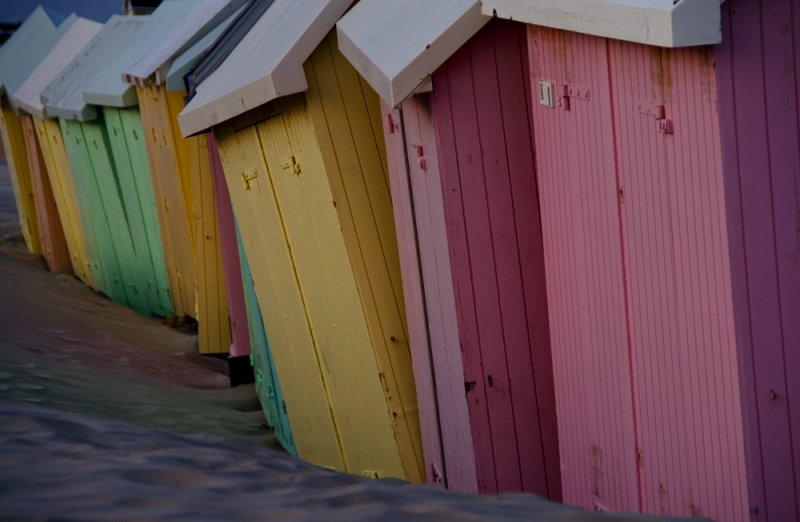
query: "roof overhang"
28, 96
396, 46
663, 23
267, 63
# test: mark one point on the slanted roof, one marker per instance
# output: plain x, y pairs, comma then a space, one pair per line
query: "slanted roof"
226, 43
664, 23
396, 46
20, 55
27, 97
203, 16
188, 59
63, 97
267, 63
108, 86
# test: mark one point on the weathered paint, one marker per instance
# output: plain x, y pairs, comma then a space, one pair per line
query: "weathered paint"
486, 163
112, 186
58, 169
17, 157
229, 246
757, 80
429, 295
310, 191
633, 214
267, 382
54, 244
171, 186
182, 181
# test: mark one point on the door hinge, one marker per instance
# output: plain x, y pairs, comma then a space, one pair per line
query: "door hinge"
247, 177
291, 163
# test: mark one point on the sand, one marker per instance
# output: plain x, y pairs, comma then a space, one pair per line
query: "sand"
105, 414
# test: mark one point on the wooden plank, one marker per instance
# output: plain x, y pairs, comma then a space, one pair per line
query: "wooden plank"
54, 244
579, 201
105, 266
357, 176
230, 247
354, 380
418, 339
124, 131
277, 288
117, 205
17, 157
268, 383
171, 205
428, 207
60, 176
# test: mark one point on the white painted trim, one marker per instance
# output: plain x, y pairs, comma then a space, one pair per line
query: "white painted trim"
267, 63
663, 23
397, 45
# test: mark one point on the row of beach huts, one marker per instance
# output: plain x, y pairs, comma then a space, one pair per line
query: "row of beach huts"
492, 245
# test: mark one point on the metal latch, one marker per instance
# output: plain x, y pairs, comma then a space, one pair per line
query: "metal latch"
247, 177
291, 163
419, 152
658, 111
391, 125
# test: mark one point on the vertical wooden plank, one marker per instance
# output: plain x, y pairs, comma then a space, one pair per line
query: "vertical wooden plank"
440, 303
757, 77
60, 177
173, 213
105, 266
13, 140
276, 285
229, 246
131, 122
337, 104
680, 305
418, 339
354, 380
579, 201
51, 232
117, 207
269, 388
135, 198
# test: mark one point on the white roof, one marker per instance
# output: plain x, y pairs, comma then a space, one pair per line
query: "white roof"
21, 53
78, 35
199, 17
108, 86
63, 97
665, 23
267, 63
397, 45
184, 62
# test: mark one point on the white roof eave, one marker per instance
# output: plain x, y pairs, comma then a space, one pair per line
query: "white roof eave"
267, 64
396, 46
662, 23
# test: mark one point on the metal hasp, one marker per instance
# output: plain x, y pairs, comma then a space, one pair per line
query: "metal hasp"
247, 177
291, 163
658, 111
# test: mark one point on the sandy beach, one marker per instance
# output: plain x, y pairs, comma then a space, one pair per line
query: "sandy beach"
105, 414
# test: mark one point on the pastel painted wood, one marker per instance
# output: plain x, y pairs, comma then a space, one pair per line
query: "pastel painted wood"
641, 317
60, 176
51, 233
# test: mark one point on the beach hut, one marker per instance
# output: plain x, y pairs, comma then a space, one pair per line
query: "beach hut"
55, 175
112, 180
300, 142
18, 57
462, 175
179, 167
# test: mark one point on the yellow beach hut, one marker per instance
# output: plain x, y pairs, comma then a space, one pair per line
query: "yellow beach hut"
18, 57
48, 136
302, 151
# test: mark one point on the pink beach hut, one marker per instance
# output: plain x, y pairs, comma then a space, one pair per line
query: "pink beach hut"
461, 165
